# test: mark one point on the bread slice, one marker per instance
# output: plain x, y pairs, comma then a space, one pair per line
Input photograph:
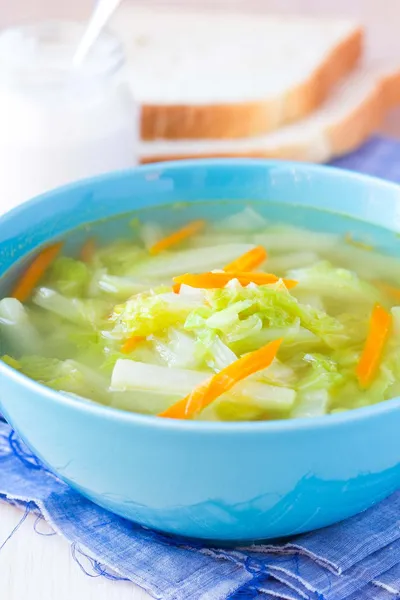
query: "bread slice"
353, 112
223, 75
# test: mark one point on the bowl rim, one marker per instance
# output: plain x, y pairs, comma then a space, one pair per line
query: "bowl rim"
201, 427
160, 167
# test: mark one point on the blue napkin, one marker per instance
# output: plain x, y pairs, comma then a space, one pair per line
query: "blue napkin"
358, 559
379, 157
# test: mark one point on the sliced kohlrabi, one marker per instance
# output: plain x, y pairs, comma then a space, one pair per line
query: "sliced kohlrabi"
194, 260
131, 375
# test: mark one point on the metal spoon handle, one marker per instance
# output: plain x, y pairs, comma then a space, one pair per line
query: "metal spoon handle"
101, 15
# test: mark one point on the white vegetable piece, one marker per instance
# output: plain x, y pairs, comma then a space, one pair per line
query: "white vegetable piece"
19, 333
193, 260
313, 403
131, 375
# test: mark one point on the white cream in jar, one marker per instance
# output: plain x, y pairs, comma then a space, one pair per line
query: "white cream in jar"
59, 124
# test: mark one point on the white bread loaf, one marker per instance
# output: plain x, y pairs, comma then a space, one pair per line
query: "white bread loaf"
223, 75
352, 113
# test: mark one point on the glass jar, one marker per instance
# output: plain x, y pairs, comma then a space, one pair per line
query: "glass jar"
59, 123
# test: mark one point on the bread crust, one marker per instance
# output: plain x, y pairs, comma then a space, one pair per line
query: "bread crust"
356, 127
230, 121
344, 136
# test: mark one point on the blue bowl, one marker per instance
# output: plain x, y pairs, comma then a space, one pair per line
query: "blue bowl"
216, 481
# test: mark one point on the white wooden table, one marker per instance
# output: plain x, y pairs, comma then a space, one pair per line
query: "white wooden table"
33, 567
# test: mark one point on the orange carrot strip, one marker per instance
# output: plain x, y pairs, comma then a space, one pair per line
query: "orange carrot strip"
379, 330
219, 280
131, 343
389, 290
222, 382
248, 261
35, 272
88, 249
178, 236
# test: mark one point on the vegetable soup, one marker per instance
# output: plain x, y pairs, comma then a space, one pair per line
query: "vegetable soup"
241, 318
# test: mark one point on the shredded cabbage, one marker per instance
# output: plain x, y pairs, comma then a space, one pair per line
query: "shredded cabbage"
327, 281
116, 330
68, 376
150, 313
71, 277
243, 312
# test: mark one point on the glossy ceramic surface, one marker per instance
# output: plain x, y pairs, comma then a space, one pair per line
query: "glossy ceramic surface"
242, 481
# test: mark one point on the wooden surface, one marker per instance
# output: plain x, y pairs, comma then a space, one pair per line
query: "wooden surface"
36, 567
33, 567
